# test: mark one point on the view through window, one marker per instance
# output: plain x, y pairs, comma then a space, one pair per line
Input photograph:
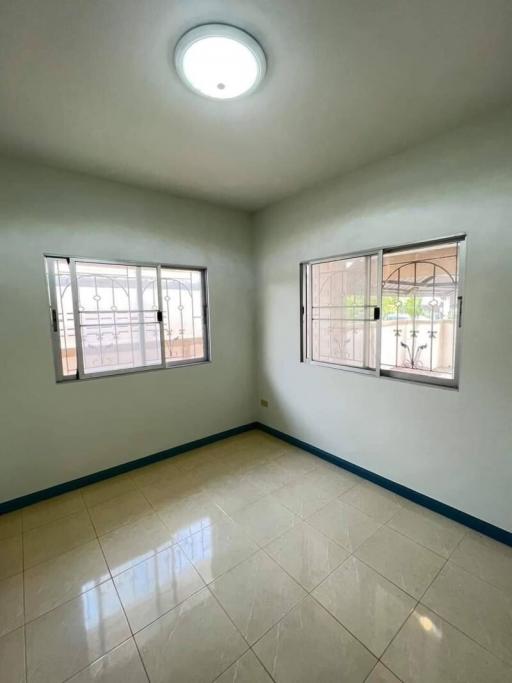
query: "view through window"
343, 301
109, 318
394, 312
419, 310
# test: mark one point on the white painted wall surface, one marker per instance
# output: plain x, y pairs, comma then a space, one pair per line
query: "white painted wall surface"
455, 446
51, 433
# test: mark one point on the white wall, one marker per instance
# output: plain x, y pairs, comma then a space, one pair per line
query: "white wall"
455, 446
51, 433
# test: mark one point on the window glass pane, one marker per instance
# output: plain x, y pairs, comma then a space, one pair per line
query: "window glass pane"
61, 298
117, 308
182, 300
419, 310
343, 296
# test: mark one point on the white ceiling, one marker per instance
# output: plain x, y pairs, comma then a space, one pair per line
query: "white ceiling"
88, 84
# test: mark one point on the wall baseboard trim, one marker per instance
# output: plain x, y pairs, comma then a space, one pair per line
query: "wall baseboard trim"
58, 489
464, 518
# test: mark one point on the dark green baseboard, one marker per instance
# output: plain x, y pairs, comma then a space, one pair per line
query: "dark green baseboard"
58, 489
495, 532
436, 506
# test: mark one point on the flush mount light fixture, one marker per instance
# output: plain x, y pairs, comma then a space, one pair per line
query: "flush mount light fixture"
219, 61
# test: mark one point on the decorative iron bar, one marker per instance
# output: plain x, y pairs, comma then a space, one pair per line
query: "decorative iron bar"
423, 293
110, 317
342, 311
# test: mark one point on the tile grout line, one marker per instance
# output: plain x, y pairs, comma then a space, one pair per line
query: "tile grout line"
227, 571
458, 628
352, 554
70, 600
305, 520
263, 548
66, 602
246, 642
263, 665
132, 634
418, 602
400, 680
69, 678
309, 593
455, 626
120, 602
24, 604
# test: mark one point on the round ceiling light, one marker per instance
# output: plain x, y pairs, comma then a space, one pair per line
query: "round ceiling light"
219, 61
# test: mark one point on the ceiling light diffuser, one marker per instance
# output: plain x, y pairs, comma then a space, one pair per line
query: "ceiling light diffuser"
219, 61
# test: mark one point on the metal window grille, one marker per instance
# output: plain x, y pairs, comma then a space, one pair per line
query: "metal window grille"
111, 317
394, 311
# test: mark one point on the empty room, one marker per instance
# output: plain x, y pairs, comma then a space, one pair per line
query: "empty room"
256, 341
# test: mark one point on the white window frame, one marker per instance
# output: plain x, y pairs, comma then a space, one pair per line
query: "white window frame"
378, 371
165, 364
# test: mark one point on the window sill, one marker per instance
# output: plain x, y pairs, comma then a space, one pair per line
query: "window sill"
138, 371
403, 377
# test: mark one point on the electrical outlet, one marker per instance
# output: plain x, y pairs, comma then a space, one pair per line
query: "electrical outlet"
264, 402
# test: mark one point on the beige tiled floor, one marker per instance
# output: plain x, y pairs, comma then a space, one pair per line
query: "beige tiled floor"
249, 561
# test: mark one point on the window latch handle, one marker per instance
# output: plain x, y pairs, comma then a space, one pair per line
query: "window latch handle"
55, 323
159, 316
376, 312
459, 299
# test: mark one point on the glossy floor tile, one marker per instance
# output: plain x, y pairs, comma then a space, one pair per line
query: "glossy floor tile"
193, 642
303, 497
264, 520
296, 462
485, 558
477, 608
218, 548
190, 514
51, 583
433, 531
171, 487
368, 605
234, 493
373, 501
306, 554
11, 603
269, 476
331, 478
10, 524
247, 669
407, 564
118, 511
165, 469
52, 509
62, 642
121, 665
344, 524
429, 650
248, 561
107, 489
380, 674
310, 645
55, 538
155, 586
11, 556
257, 594
127, 546
12, 657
